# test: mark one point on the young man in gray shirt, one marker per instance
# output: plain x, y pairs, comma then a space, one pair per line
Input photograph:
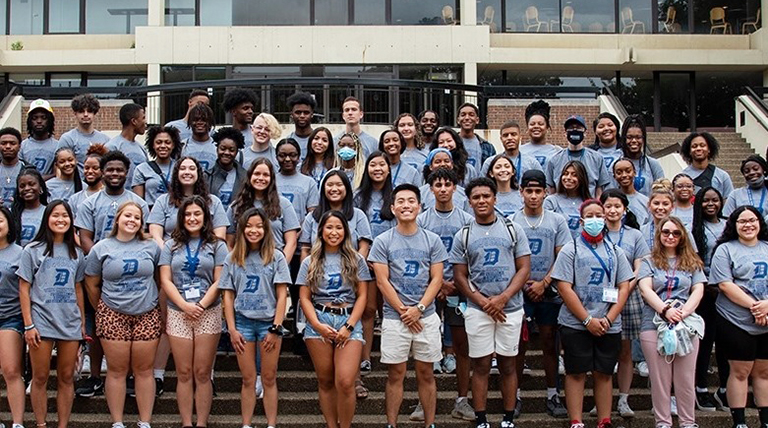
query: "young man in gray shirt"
197, 96
302, 107
134, 123
408, 262
85, 107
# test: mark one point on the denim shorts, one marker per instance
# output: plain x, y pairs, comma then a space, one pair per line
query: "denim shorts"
335, 321
15, 323
252, 330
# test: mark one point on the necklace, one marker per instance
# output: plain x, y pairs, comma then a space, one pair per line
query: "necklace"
538, 222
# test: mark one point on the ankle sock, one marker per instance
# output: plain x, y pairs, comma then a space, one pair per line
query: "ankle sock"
159, 374
738, 416
509, 415
480, 417
701, 390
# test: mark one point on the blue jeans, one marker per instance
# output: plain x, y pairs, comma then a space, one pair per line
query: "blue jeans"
252, 330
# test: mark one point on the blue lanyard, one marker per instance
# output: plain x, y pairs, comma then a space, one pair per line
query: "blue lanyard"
621, 236
517, 168
752, 201
397, 172
318, 177
193, 261
608, 269
653, 229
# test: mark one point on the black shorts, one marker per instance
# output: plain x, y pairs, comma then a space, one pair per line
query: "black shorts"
738, 344
587, 353
542, 313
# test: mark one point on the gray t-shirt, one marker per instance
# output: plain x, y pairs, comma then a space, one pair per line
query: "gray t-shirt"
720, 179
248, 156
302, 144
541, 152
415, 157
508, 203
226, 189
568, 208
370, 143
684, 214
610, 155
409, 258
60, 189
10, 257
638, 204
469, 175
460, 199
192, 267
667, 284
334, 288
76, 200
80, 143
544, 234
579, 266
649, 229
254, 284
646, 172
445, 225
522, 163
30, 224
154, 184
97, 213
8, 176
712, 232
127, 271
403, 173
39, 154
53, 294
287, 221
472, 146
359, 227
490, 255
300, 191
133, 150
757, 198
631, 241
373, 213
204, 152
593, 162
747, 267
165, 214
184, 130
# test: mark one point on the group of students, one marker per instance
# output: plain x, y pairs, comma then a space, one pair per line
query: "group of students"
142, 250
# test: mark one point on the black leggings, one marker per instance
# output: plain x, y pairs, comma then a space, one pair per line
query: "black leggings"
707, 311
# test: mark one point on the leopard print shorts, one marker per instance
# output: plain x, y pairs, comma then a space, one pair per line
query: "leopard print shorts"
180, 325
112, 325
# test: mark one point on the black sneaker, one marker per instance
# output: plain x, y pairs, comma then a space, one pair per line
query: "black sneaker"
130, 387
555, 408
159, 387
722, 400
706, 402
90, 387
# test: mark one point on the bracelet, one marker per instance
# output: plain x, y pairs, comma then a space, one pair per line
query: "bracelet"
587, 320
29, 327
200, 305
610, 324
663, 312
276, 329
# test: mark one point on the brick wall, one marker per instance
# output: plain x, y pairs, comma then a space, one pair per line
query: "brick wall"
108, 118
500, 111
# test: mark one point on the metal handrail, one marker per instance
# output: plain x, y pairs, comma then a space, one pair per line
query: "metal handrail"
758, 99
616, 102
7, 99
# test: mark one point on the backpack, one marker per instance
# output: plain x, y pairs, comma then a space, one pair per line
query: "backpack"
465, 240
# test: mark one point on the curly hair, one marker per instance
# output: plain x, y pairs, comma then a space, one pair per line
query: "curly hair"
176, 191
349, 273
275, 130
200, 111
698, 227
712, 144
329, 157
237, 96
687, 259
181, 235
459, 154
418, 139
301, 98
85, 102
154, 131
730, 233
231, 133
246, 197
538, 108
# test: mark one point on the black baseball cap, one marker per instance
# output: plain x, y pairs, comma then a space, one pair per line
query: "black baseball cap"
533, 178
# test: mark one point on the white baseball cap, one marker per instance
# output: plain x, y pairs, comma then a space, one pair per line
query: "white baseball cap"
40, 103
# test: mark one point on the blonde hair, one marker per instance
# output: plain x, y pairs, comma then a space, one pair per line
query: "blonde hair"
346, 251
242, 248
687, 259
120, 210
359, 159
275, 130
661, 188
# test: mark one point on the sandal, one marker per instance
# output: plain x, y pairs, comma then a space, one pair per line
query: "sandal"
360, 390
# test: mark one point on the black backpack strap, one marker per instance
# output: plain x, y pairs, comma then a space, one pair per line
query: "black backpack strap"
705, 178
156, 168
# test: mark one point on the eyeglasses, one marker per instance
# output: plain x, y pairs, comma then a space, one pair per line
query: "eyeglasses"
744, 222
673, 233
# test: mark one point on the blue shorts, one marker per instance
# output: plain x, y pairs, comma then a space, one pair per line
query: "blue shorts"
15, 323
252, 330
335, 321
542, 313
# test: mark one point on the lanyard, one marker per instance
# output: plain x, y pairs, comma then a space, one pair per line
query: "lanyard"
193, 261
653, 229
167, 178
397, 172
318, 177
621, 236
517, 168
752, 201
608, 269
671, 280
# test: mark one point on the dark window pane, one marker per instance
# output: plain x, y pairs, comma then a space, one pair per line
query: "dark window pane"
715, 93
586, 16
370, 12
634, 16
36, 79
707, 16
673, 16
376, 105
26, 16
179, 12
532, 16
270, 12
331, 12
177, 73
419, 12
114, 16
216, 12
61, 80
489, 13
64, 16
3, 14
675, 102
636, 94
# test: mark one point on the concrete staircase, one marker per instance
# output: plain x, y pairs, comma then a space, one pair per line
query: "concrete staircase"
299, 406
733, 150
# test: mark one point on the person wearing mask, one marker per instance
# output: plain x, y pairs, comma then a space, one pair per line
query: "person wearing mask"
302, 107
11, 166
39, 148
134, 123
197, 96
240, 104
699, 149
537, 116
754, 169
350, 159
597, 175
85, 108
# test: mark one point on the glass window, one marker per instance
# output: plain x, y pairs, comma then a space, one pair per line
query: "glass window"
489, 13
420, 12
636, 94
586, 16
634, 16
715, 93
64, 16
532, 15
673, 16
270, 12
216, 12
177, 73
111, 81
114, 16
26, 16
723, 16
331, 12
3, 14
34, 79
66, 80
179, 12
370, 12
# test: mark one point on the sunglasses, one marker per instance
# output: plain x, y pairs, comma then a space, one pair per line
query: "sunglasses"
675, 233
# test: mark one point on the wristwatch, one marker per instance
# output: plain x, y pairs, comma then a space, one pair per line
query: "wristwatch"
349, 327
421, 308
276, 329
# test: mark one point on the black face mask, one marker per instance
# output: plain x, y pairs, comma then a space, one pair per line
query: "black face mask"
575, 136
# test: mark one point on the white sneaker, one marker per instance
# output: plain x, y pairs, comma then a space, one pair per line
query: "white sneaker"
690, 426
437, 368
673, 406
86, 366
143, 425
507, 424
29, 389
624, 410
577, 425
418, 414
560, 366
118, 425
494, 367
259, 387
463, 410
17, 426
593, 412
642, 369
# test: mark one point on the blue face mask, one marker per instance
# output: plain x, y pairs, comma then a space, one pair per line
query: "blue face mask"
346, 153
594, 225
669, 341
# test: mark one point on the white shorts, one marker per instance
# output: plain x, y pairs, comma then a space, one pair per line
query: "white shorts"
486, 336
397, 341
